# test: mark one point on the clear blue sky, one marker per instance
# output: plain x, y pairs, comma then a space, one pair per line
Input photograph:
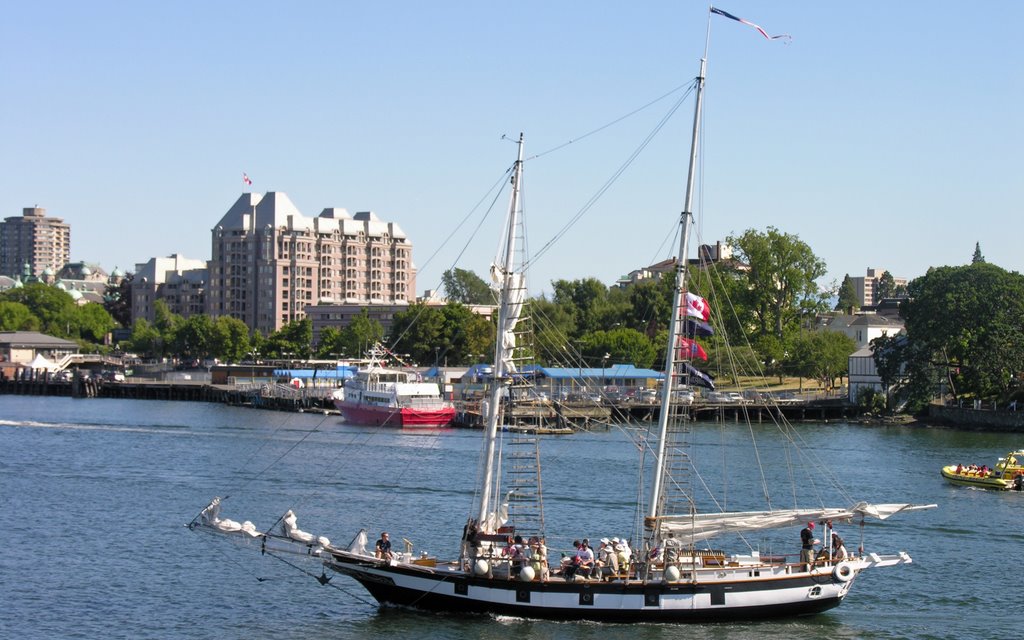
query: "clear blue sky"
886, 134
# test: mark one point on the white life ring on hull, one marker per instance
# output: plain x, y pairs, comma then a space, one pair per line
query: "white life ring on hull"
844, 572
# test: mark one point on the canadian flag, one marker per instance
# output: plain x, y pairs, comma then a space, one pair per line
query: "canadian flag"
697, 307
246, 179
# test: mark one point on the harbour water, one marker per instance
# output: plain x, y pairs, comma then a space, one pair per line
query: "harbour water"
94, 494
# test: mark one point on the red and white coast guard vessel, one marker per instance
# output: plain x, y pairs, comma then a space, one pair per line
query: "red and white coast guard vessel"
392, 397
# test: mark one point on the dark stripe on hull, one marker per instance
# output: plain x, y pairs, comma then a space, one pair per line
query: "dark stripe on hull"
385, 591
391, 594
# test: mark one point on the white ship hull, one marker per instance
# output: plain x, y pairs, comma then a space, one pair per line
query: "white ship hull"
731, 594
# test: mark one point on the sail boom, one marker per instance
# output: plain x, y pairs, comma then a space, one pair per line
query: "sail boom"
708, 525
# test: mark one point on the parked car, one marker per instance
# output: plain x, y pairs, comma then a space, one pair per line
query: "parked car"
683, 396
647, 396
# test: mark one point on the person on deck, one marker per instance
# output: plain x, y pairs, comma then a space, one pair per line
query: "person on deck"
671, 549
516, 555
383, 549
584, 559
607, 558
539, 558
838, 548
807, 546
569, 565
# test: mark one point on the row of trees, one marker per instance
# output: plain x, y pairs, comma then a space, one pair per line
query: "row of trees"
40, 307
772, 297
771, 288
200, 337
964, 336
964, 328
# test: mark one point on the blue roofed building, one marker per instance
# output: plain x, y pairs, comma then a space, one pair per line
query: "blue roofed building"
561, 382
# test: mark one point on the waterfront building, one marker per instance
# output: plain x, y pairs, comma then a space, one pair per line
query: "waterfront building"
20, 348
861, 327
35, 240
179, 281
707, 254
271, 263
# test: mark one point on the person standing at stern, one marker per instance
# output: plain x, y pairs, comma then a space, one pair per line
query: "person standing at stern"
807, 546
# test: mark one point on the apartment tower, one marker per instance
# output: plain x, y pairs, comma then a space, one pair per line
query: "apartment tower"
270, 261
34, 240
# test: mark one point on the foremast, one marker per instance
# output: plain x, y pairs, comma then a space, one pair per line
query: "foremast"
673, 374
510, 304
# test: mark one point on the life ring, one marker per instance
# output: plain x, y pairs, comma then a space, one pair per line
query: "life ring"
844, 572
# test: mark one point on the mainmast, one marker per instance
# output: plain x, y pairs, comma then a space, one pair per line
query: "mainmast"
509, 283
671, 352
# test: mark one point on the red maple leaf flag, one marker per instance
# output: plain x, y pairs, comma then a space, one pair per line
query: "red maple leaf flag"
697, 307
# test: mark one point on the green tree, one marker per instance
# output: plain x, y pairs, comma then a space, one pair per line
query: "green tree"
14, 316
293, 340
90, 322
453, 332
622, 345
587, 301
230, 339
417, 331
466, 334
650, 305
354, 340
463, 285
167, 323
848, 300
967, 321
821, 355
552, 327
889, 355
146, 340
118, 301
779, 282
885, 287
361, 334
329, 344
257, 346
193, 338
53, 306
977, 257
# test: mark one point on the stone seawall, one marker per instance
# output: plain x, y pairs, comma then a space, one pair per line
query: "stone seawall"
979, 419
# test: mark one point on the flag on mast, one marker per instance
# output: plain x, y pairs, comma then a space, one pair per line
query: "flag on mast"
246, 179
697, 307
750, 24
690, 349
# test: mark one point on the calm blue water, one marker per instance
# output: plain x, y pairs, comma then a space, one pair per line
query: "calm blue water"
94, 493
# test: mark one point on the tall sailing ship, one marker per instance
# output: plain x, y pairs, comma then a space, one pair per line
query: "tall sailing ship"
675, 570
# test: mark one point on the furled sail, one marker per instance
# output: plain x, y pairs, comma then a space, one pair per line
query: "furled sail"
708, 525
516, 296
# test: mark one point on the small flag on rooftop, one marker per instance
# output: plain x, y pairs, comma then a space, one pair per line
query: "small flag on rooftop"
246, 179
